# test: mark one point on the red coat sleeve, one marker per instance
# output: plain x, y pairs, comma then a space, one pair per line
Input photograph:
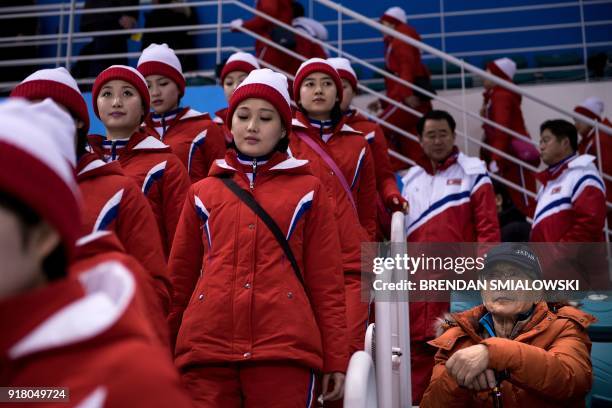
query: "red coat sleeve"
185, 263
501, 113
155, 313
385, 178
137, 230
259, 24
484, 211
366, 195
323, 278
403, 55
589, 209
174, 190
212, 149
144, 376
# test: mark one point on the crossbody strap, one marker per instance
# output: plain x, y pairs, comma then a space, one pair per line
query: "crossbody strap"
331, 163
248, 199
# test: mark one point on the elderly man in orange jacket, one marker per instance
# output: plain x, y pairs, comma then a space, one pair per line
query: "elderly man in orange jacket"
515, 350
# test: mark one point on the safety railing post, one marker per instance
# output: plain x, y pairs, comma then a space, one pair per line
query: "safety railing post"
584, 41
70, 33
60, 31
443, 43
339, 33
463, 110
219, 26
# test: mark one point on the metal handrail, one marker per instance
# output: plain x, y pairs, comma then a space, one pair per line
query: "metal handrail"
105, 33
481, 11
512, 50
101, 10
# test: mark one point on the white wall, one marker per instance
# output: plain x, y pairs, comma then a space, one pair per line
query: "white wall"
564, 95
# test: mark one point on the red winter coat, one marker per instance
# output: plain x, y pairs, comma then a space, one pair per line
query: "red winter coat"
162, 177
86, 334
237, 298
386, 183
404, 61
352, 155
219, 120
102, 246
193, 137
113, 202
504, 107
280, 10
587, 146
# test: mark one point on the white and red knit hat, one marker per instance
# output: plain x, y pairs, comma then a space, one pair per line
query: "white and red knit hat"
239, 61
124, 73
263, 84
32, 168
316, 65
394, 15
159, 59
311, 27
592, 107
503, 67
345, 70
57, 84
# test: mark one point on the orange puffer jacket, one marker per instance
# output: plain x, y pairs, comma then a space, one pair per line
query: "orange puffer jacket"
548, 364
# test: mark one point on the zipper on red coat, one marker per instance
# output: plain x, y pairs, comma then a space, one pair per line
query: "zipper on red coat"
252, 181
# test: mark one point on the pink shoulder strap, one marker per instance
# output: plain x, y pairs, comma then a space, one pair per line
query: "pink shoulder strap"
330, 162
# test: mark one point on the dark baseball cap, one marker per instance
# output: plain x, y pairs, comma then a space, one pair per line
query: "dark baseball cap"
514, 253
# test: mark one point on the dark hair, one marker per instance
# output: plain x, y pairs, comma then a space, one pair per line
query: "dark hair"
82, 143
219, 68
55, 264
562, 129
297, 9
436, 115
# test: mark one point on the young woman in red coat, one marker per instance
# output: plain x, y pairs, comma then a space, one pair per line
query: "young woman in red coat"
235, 70
192, 135
319, 127
504, 107
253, 330
111, 201
86, 332
121, 99
389, 198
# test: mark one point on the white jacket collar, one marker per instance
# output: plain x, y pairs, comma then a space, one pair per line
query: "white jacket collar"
191, 113
296, 122
150, 142
581, 161
471, 165
223, 164
290, 163
109, 289
96, 164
